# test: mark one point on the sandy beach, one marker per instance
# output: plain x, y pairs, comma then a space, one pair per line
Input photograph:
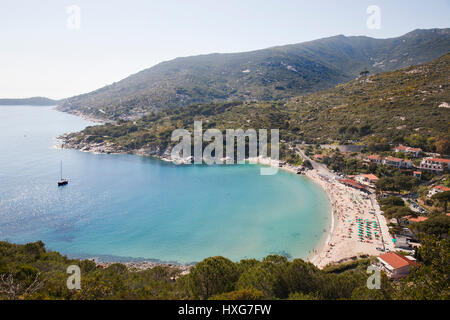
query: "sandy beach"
355, 231
357, 228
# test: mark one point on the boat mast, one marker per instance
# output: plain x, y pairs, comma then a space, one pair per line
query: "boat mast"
61, 169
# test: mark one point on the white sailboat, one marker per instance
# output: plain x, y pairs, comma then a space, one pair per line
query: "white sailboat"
62, 182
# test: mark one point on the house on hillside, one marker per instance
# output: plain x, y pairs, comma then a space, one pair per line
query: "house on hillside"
435, 165
411, 219
417, 174
437, 189
396, 265
318, 157
402, 243
415, 152
353, 184
367, 179
374, 159
398, 163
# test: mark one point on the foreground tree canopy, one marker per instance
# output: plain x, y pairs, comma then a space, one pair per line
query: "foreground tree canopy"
32, 272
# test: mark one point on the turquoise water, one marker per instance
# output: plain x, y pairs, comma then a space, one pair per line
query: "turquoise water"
131, 206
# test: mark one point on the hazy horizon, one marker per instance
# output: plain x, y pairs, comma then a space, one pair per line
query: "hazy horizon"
49, 53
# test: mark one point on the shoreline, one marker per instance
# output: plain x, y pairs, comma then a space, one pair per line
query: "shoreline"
347, 205
83, 116
323, 245
343, 244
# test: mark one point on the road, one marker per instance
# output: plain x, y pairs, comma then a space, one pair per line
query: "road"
384, 229
417, 209
320, 167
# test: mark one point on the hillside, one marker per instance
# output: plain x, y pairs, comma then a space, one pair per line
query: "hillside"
390, 106
263, 75
34, 101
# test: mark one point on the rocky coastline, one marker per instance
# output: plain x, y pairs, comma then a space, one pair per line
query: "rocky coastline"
73, 141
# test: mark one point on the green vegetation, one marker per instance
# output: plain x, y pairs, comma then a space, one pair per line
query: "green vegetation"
271, 74
431, 280
394, 107
394, 207
443, 198
405, 102
398, 182
290, 156
437, 225
375, 110
31, 272
40, 274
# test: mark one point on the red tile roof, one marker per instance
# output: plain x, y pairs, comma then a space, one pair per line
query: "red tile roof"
396, 260
371, 177
352, 183
404, 148
444, 189
418, 219
393, 159
374, 157
439, 160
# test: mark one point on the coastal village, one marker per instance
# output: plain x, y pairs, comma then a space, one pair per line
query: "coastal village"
371, 217
373, 214
224, 159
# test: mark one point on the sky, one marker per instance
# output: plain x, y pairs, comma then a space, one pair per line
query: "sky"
60, 48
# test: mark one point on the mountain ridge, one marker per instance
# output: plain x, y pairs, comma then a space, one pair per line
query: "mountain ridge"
274, 73
32, 101
409, 105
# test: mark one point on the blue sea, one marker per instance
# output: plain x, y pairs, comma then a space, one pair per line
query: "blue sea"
137, 207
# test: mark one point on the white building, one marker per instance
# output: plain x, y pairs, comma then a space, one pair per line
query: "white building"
437, 189
396, 265
415, 152
398, 162
435, 165
367, 179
